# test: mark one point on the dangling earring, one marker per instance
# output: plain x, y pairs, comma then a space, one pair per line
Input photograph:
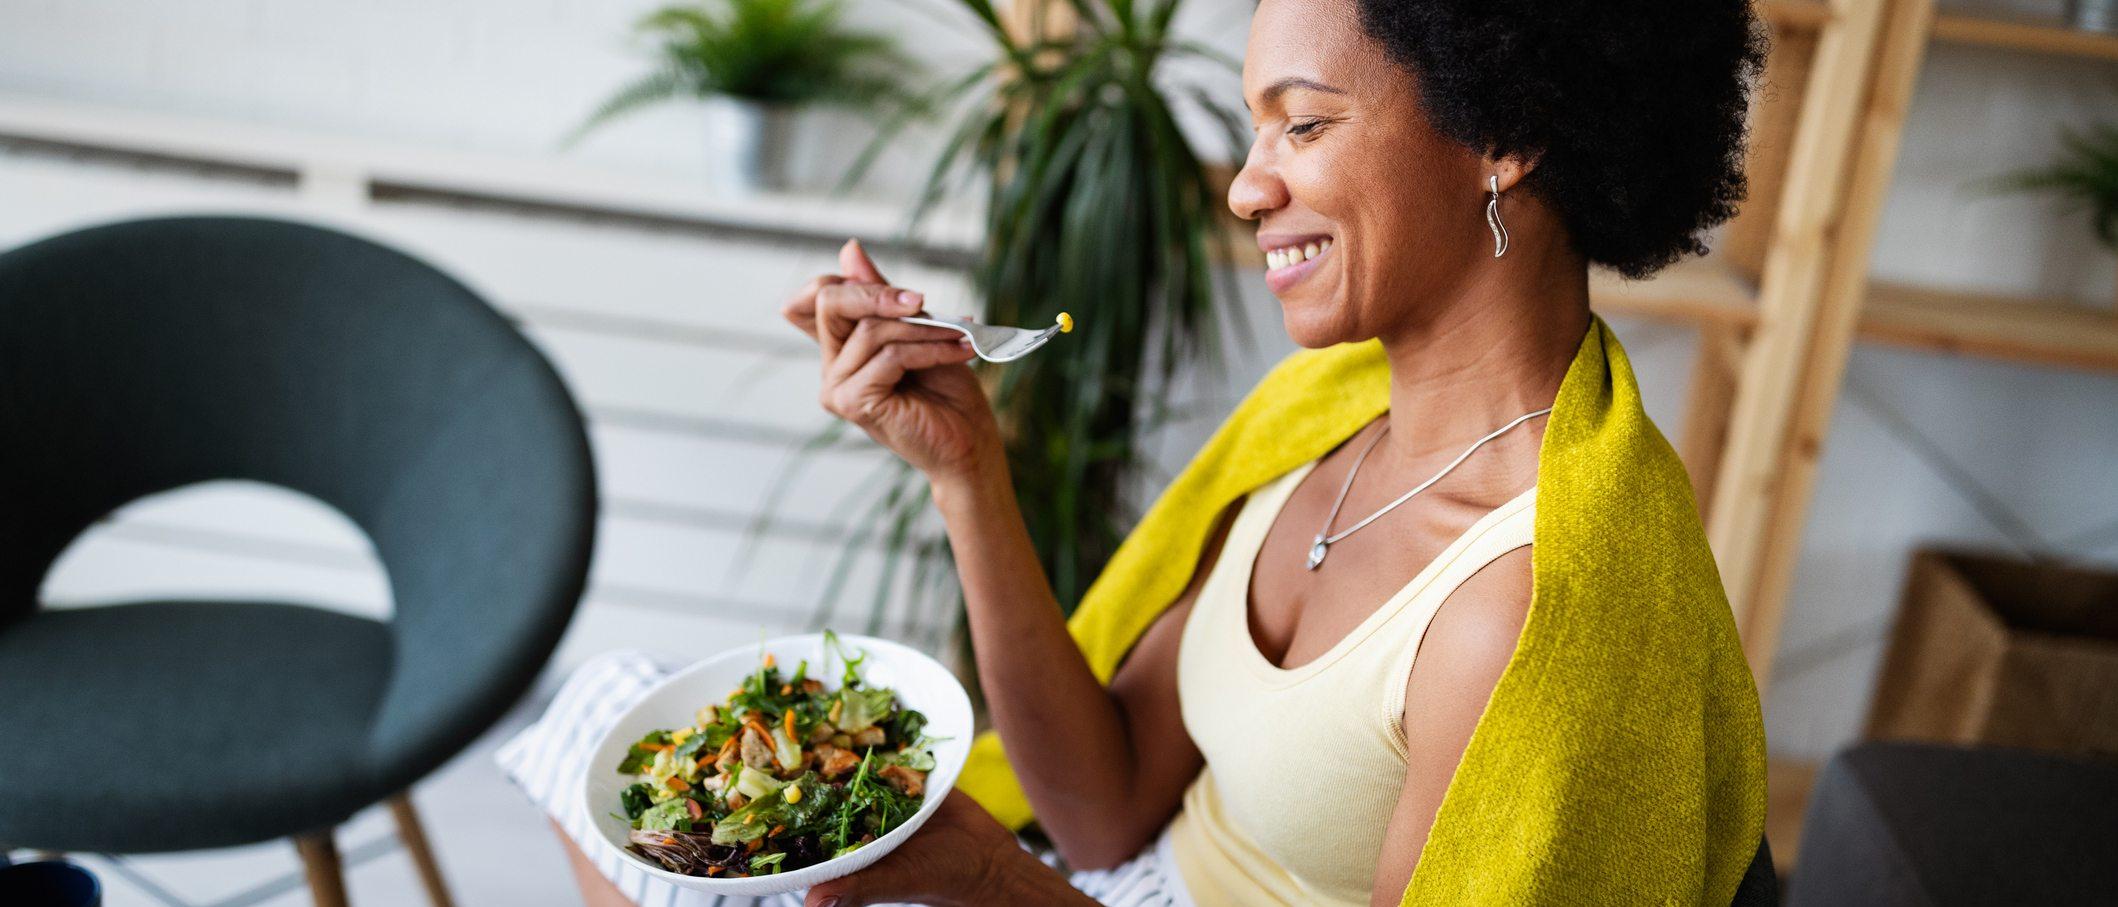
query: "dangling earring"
1500, 230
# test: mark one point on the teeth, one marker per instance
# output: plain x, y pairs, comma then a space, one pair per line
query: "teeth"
1294, 255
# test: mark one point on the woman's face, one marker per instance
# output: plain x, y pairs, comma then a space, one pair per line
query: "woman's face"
1344, 163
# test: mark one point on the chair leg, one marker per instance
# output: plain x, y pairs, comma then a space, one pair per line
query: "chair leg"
414, 837
327, 880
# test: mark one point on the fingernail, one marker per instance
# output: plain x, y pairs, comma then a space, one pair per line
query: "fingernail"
909, 298
828, 902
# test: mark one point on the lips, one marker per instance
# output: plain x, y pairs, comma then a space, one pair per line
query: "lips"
1289, 258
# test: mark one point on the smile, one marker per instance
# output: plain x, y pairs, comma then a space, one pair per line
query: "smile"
1288, 264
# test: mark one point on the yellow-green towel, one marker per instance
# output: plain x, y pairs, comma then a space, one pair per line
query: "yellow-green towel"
1621, 758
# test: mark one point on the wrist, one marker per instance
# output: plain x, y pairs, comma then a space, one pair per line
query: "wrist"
985, 478
1015, 877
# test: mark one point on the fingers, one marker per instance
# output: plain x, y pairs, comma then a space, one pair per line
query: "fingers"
857, 398
841, 306
853, 261
800, 309
871, 335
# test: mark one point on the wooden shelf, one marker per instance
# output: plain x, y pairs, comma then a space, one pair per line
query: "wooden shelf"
2048, 332
2040, 36
1695, 290
2047, 36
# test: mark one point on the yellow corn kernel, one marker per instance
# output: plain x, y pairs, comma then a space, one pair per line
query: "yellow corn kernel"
679, 735
1066, 323
794, 793
837, 706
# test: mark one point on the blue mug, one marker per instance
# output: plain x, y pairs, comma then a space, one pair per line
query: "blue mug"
49, 883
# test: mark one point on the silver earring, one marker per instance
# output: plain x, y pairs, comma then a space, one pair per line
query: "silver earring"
1500, 230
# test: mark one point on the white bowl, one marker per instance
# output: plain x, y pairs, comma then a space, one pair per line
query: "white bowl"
921, 683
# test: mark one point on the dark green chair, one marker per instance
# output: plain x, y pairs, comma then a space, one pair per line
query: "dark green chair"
140, 357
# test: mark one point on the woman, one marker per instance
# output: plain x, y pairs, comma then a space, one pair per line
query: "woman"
1272, 694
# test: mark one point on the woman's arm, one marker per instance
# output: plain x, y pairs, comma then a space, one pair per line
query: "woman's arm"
1105, 769
1460, 662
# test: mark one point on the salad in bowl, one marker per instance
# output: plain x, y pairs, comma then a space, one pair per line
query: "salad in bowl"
811, 758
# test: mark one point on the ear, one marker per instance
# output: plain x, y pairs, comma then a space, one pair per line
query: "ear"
1510, 168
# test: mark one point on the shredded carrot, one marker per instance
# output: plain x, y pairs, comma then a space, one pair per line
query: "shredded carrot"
769, 661
775, 832
790, 723
678, 784
754, 844
713, 870
658, 747
786, 688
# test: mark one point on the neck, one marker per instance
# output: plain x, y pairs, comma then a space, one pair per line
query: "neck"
1492, 350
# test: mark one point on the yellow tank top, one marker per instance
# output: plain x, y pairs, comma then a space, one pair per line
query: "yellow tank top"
1303, 766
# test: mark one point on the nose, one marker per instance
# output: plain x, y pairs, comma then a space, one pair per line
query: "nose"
1257, 188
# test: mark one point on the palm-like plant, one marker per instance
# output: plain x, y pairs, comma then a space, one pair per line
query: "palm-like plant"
777, 52
1096, 203
2086, 175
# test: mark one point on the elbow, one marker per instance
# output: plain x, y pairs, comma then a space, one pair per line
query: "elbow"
1110, 849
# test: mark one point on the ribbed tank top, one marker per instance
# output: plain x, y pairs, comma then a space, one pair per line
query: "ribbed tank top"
1304, 765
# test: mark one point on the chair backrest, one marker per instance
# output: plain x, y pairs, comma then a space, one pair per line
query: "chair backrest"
1761, 882
143, 356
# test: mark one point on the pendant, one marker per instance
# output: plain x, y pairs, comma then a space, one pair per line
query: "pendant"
1317, 552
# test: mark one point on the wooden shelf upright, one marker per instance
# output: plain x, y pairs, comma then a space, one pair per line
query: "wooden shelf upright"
1785, 295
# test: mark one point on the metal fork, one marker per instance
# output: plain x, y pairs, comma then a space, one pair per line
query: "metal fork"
992, 343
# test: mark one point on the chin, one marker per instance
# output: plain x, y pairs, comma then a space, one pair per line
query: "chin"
1315, 326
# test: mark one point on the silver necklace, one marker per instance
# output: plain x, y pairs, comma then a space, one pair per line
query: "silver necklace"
1324, 539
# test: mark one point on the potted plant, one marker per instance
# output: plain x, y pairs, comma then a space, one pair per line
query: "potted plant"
2085, 175
752, 64
1096, 203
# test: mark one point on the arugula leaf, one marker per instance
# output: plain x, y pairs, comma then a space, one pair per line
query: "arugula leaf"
768, 863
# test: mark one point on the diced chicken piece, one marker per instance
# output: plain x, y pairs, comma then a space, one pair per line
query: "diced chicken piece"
870, 736
757, 751
842, 741
715, 783
832, 762
812, 686
731, 755
908, 781
820, 733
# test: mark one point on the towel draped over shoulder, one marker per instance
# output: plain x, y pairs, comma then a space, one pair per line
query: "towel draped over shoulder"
1621, 758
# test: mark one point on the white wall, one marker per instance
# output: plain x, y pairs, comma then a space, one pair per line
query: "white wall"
508, 77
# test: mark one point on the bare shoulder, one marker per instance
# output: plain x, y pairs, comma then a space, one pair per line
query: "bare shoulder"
1483, 617
1468, 645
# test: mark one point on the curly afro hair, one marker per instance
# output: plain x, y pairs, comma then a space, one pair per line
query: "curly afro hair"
1634, 110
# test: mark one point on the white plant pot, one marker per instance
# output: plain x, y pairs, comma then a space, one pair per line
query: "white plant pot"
749, 143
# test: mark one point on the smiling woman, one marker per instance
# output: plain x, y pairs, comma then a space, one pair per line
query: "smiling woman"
1514, 679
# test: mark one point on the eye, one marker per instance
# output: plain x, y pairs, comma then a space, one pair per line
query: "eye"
1306, 128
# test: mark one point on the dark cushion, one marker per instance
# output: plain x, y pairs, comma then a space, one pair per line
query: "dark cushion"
145, 356
131, 726
1905, 823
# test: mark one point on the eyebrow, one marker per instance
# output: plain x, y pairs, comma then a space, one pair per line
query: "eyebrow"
1272, 92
